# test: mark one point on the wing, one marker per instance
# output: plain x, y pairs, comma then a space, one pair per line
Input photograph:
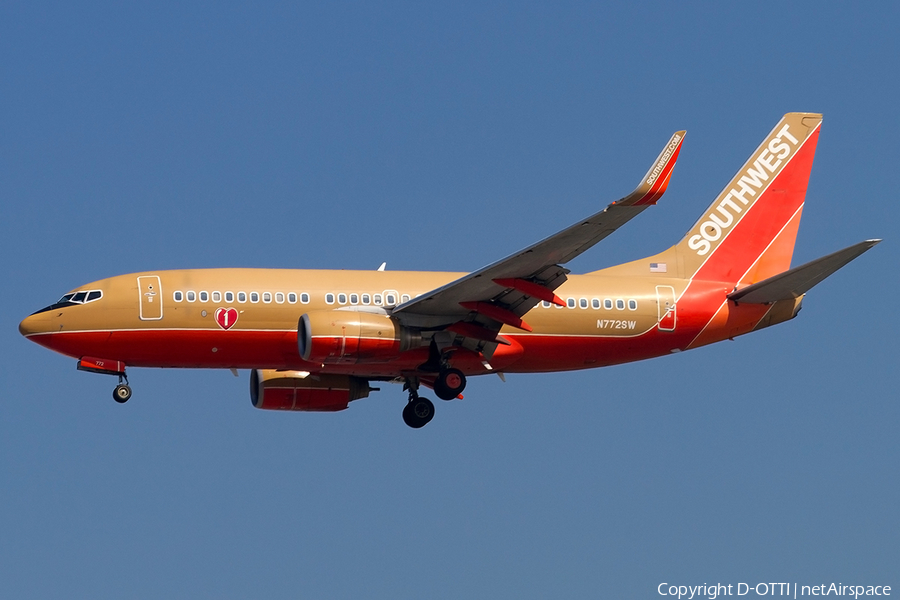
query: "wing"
477, 305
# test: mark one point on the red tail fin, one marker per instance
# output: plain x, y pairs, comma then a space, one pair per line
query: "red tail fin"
748, 232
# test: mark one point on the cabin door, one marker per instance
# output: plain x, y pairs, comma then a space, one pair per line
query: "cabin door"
665, 307
150, 290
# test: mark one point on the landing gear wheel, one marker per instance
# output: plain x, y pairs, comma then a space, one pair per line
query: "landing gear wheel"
449, 384
122, 393
418, 412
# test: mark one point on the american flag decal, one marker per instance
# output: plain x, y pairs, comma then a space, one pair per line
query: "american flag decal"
657, 267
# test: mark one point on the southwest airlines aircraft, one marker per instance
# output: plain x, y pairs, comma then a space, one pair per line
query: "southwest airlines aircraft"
315, 340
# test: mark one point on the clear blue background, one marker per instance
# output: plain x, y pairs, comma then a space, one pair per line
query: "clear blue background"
341, 135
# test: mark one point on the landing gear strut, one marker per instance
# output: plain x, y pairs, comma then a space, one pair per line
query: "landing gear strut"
418, 411
122, 393
449, 384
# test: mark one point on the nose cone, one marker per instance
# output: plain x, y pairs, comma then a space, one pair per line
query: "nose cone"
34, 324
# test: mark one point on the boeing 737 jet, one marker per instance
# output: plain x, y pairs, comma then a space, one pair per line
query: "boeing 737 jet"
315, 340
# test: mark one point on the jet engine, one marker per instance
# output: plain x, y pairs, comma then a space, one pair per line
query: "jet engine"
352, 336
299, 390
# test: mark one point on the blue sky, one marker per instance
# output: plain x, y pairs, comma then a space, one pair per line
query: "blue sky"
341, 135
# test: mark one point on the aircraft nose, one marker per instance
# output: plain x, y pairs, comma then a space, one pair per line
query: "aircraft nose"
32, 324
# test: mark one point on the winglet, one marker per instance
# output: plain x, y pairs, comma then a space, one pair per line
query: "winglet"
655, 182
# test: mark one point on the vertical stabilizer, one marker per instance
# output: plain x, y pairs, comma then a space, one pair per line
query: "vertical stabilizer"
748, 232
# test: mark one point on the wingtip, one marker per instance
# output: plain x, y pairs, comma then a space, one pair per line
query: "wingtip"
656, 181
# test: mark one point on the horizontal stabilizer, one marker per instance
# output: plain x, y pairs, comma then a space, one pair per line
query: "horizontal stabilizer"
799, 280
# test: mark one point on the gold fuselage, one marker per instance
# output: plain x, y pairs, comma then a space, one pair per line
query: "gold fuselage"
612, 316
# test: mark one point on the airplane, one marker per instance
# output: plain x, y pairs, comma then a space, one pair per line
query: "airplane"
315, 340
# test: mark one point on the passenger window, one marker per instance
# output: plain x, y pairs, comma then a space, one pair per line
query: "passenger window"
354, 298
229, 296
342, 298
292, 298
242, 296
178, 296
632, 305
607, 304
217, 296
620, 304
279, 297
191, 296
404, 298
376, 299
582, 303
595, 303
79, 297
204, 296
546, 304
254, 297
267, 297
329, 298
365, 299
390, 300
304, 298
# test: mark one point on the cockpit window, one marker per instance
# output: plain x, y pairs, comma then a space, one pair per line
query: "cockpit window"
74, 299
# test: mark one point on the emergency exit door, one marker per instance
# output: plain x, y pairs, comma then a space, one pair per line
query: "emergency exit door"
665, 307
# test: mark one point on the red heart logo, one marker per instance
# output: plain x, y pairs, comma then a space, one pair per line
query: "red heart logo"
226, 317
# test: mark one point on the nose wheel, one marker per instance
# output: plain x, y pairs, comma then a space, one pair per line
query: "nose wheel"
419, 411
122, 392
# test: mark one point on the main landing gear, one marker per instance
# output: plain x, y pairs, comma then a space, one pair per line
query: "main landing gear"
122, 392
418, 411
449, 384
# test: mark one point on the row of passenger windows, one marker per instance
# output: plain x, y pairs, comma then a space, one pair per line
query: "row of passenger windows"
595, 303
254, 297
389, 298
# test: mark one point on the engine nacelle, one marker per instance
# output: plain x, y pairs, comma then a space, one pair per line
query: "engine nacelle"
298, 390
351, 336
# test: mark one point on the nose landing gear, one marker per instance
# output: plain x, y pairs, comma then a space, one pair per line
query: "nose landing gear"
105, 366
122, 392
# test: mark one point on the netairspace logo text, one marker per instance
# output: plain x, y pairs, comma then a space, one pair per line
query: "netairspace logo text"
792, 590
